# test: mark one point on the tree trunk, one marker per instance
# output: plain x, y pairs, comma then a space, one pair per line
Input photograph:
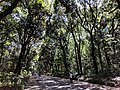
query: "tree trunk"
21, 58
107, 59
64, 59
100, 57
77, 63
106, 56
93, 55
79, 58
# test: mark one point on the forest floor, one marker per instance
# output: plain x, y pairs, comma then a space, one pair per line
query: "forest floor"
55, 83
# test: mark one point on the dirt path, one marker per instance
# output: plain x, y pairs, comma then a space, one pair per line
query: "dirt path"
54, 83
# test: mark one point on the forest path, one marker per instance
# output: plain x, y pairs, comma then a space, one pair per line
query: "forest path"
55, 83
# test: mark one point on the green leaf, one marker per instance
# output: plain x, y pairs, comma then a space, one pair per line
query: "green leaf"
45, 4
41, 2
7, 43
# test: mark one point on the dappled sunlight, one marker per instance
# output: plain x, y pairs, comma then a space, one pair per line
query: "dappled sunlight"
116, 78
33, 88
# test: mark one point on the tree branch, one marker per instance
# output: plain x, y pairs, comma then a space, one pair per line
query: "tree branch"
117, 7
9, 9
118, 2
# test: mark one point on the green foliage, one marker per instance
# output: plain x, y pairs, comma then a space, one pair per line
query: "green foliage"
45, 3
57, 37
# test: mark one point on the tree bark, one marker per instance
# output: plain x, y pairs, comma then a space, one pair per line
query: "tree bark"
100, 57
78, 56
77, 63
64, 59
93, 55
21, 58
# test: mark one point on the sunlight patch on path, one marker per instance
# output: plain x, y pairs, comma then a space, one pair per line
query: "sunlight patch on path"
33, 88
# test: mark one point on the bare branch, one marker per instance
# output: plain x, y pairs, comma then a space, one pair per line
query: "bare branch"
82, 21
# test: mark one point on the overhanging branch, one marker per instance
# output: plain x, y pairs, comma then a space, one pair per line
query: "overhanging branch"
9, 9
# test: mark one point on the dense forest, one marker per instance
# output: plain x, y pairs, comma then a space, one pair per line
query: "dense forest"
59, 37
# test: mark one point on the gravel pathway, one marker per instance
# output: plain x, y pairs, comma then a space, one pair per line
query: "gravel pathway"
54, 83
